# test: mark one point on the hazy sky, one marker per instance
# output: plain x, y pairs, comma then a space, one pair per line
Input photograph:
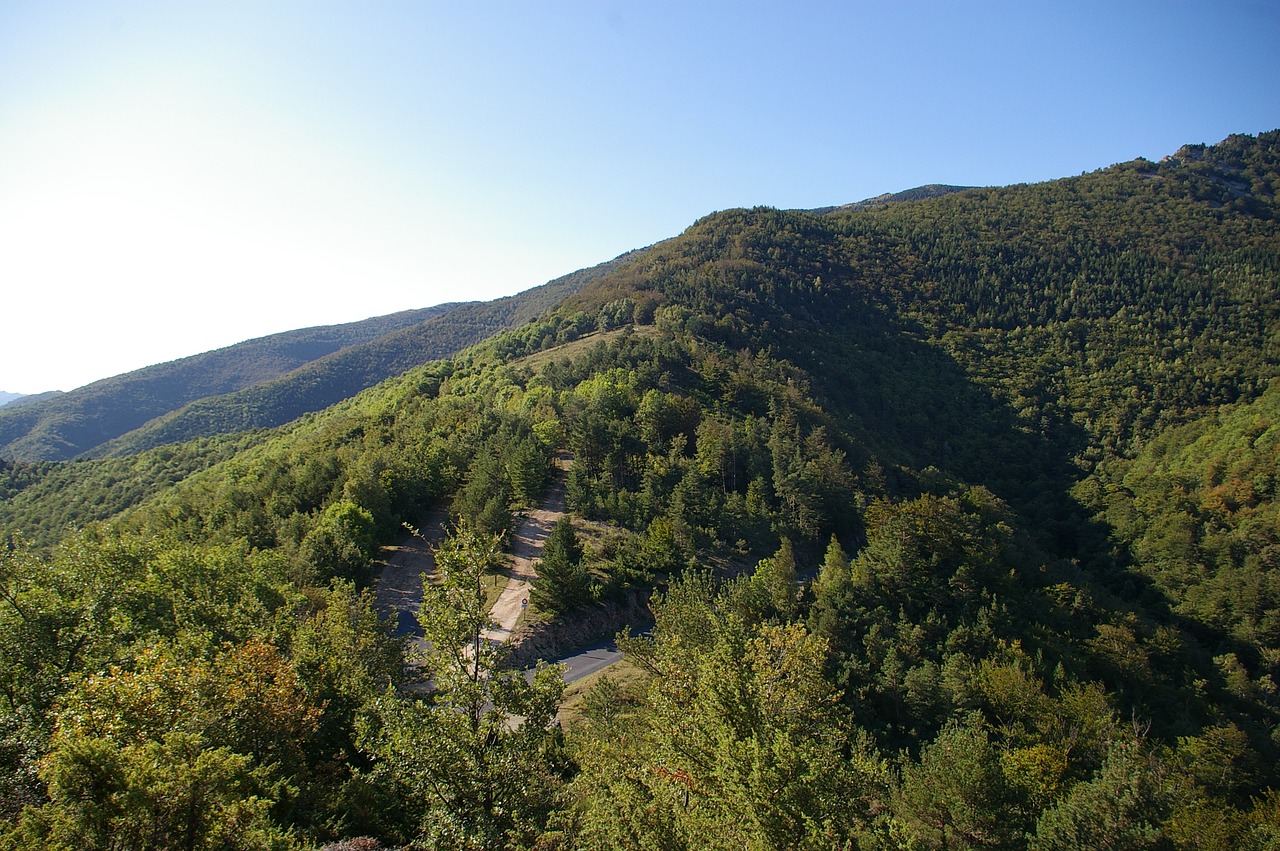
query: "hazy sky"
180, 176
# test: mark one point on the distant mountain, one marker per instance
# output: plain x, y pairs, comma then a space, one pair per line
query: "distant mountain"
328, 380
35, 397
13, 400
261, 383
66, 425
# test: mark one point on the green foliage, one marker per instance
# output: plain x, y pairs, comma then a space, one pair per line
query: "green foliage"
1122, 807
511, 469
340, 544
563, 582
771, 591
346, 659
175, 793
927, 593
263, 383
738, 742
470, 759
72, 424
956, 795
43, 501
1198, 508
136, 660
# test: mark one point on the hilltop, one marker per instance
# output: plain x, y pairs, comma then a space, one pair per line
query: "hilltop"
931, 190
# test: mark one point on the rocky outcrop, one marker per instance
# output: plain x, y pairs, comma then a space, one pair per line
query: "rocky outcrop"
598, 622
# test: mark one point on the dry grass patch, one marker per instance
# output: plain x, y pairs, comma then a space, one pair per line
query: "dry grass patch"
629, 677
570, 350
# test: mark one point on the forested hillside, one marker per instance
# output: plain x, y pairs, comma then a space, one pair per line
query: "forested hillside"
261, 383
68, 424
331, 379
17, 400
958, 516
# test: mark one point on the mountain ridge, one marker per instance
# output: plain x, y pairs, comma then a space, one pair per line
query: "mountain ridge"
58, 427
260, 383
918, 193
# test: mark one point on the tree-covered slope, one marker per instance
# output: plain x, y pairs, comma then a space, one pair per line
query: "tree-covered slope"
70, 424
932, 190
958, 513
17, 400
330, 379
261, 383
43, 501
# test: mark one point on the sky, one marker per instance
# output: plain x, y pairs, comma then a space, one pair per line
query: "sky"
180, 176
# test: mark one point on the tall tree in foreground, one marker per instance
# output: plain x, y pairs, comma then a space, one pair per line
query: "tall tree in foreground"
471, 757
738, 741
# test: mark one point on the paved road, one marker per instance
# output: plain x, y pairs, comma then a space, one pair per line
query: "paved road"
398, 594
597, 657
586, 662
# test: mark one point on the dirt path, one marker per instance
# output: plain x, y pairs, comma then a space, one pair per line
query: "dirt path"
399, 591
526, 547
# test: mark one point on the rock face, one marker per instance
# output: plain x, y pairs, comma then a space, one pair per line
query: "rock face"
587, 626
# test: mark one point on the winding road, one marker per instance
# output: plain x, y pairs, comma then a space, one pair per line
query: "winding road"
399, 588
399, 591
526, 546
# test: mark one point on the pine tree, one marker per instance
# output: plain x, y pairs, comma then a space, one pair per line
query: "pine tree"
563, 582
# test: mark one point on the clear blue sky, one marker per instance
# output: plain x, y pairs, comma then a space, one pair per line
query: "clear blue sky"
180, 176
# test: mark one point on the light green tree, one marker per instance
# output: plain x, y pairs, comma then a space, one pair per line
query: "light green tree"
340, 544
176, 793
1122, 806
956, 795
472, 755
739, 741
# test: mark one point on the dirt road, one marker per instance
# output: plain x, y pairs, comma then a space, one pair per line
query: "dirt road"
526, 547
399, 592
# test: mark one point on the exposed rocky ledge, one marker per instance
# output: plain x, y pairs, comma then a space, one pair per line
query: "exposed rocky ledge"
590, 625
